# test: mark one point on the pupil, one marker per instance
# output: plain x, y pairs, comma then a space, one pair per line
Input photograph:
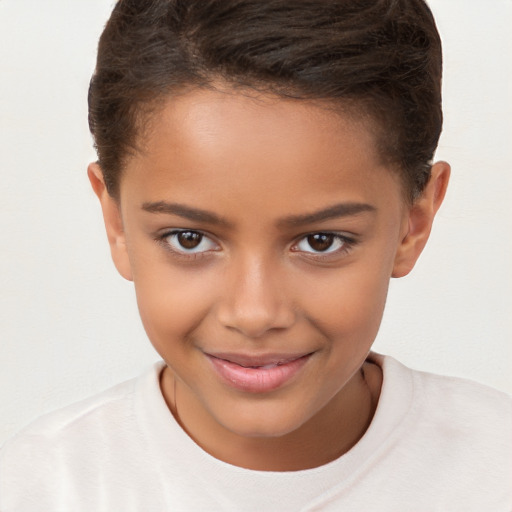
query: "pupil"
320, 241
189, 239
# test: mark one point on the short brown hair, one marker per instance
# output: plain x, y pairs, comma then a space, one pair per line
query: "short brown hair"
383, 56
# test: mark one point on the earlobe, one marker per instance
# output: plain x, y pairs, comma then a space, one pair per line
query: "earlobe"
420, 219
113, 221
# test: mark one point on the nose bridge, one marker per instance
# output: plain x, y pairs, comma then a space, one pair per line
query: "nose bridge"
255, 299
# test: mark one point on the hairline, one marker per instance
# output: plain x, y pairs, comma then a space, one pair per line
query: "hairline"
351, 108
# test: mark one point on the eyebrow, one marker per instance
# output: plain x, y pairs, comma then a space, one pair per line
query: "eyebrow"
196, 214
186, 212
332, 212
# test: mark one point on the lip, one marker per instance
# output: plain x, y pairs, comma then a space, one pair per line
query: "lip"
257, 374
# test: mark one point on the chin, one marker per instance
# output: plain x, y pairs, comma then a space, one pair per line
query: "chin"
262, 423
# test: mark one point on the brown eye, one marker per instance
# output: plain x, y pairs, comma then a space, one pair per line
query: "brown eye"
189, 242
323, 243
189, 239
320, 242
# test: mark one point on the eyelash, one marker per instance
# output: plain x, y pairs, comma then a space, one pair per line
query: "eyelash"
346, 244
190, 255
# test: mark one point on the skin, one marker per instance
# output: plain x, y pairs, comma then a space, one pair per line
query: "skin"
255, 285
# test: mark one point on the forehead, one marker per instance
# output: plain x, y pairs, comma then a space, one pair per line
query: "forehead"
247, 115
240, 143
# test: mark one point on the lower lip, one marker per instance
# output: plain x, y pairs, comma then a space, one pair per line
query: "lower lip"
257, 380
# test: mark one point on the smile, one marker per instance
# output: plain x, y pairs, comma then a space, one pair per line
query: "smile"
257, 374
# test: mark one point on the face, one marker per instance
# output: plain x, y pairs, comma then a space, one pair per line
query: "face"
261, 235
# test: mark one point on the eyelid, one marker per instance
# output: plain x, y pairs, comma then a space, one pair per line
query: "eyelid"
162, 238
348, 243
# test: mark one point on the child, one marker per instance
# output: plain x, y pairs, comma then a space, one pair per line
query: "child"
265, 167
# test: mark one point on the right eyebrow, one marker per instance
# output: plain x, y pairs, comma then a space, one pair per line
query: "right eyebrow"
186, 212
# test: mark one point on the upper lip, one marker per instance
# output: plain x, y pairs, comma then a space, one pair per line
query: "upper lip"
258, 359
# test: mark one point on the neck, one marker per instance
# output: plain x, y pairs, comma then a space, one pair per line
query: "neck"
342, 422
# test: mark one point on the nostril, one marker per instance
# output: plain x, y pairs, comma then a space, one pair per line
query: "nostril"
253, 323
255, 300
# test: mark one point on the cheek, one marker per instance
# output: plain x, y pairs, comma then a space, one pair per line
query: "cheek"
172, 302
349, 305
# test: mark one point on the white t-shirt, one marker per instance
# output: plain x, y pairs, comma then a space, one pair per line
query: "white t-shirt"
435, 444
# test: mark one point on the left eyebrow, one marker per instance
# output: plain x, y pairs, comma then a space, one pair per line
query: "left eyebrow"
332, 212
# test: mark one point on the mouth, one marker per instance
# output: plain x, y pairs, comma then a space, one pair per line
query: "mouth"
258, 374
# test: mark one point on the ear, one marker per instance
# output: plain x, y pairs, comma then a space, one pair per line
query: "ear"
113, 221
420, 217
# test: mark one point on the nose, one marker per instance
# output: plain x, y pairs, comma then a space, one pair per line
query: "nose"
255, 300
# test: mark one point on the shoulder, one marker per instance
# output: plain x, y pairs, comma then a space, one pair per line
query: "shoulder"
76, 441
458, 432
71, 422
465, 392
466, 407
458, 400
450, 434
473, 424
74, 417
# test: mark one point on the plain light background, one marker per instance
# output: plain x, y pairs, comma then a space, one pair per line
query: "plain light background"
69, 324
